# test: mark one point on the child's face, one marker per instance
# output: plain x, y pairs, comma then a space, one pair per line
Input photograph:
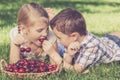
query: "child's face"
63, 38
37, 31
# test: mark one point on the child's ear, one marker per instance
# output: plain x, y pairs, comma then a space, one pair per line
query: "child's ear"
22, 28
74, 36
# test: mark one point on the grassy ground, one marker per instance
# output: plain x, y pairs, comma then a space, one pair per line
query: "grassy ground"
102, 16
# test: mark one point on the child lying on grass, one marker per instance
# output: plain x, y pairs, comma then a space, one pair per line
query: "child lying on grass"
83, 49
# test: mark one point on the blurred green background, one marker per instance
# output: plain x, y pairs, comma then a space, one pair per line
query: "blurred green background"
102, 16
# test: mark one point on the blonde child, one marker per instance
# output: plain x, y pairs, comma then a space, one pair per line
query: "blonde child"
33, 27
83, 49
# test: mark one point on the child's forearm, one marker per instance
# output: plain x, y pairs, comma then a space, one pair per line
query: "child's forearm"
14, 53
52, 61
68, 58
56, 57
75, 67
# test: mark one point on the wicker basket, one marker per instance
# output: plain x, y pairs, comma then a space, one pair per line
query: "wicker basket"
3, 64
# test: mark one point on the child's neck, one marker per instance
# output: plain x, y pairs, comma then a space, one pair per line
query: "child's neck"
81, 38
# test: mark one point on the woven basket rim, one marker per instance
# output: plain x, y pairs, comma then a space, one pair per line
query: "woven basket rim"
13, 74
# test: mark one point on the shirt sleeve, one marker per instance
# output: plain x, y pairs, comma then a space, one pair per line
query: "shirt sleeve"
13, 33
61, 49
87, 57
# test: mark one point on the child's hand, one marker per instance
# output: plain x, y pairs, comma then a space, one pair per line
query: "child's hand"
19, 39
47, 47
73, 48
50, 12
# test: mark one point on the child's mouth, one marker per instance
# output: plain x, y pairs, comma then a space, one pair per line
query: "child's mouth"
42, 39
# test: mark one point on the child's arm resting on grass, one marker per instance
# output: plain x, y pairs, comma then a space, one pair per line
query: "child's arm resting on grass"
67, 63
14, 53
75, 67
15, 43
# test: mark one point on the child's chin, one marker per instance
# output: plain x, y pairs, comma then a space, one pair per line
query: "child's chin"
38, 44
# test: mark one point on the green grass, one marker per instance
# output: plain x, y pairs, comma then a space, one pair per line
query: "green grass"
102, 16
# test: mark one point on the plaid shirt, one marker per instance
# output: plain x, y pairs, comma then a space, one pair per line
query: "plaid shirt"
94, 50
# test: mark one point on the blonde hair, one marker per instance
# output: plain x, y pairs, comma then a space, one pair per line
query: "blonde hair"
29, 12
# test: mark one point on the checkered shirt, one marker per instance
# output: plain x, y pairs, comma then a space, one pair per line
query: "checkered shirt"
94, 50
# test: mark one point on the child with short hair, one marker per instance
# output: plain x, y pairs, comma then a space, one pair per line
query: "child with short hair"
33, 29
83, 49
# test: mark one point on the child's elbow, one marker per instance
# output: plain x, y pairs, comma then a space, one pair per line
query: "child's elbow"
78, 68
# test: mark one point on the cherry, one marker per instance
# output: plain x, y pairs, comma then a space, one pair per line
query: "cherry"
41, 69
37, 63
27, 70
21, 61
32, 62
21, 70
31, 68
28, 49
46, 69
26, 63
36, 70
25, 66
35, 66
11, 69
42, 64
41, 40
52, 67
22, 49
15, 69
9, 66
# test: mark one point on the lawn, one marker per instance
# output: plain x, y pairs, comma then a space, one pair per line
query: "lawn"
102, 16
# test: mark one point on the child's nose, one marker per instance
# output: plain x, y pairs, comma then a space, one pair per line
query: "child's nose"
58, 40
44, 34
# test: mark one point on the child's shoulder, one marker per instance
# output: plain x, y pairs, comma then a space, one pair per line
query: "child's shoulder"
13, 32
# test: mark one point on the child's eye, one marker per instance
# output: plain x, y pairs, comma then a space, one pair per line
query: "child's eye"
47, 30
39, 30
58, 37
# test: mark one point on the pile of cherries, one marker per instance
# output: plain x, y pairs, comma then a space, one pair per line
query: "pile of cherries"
27, 66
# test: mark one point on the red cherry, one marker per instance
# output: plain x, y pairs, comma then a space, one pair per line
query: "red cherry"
32, 62
15, 66
27, 70
26, 63
28, 49
35, 70
54, 66
21, 70
11, 69
42, 64
9, 66
22, 49
41, 40
15, 69
41, 69
50, 68
21, 61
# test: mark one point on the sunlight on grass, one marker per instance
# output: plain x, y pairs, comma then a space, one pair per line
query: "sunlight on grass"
102, 23
102, 16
